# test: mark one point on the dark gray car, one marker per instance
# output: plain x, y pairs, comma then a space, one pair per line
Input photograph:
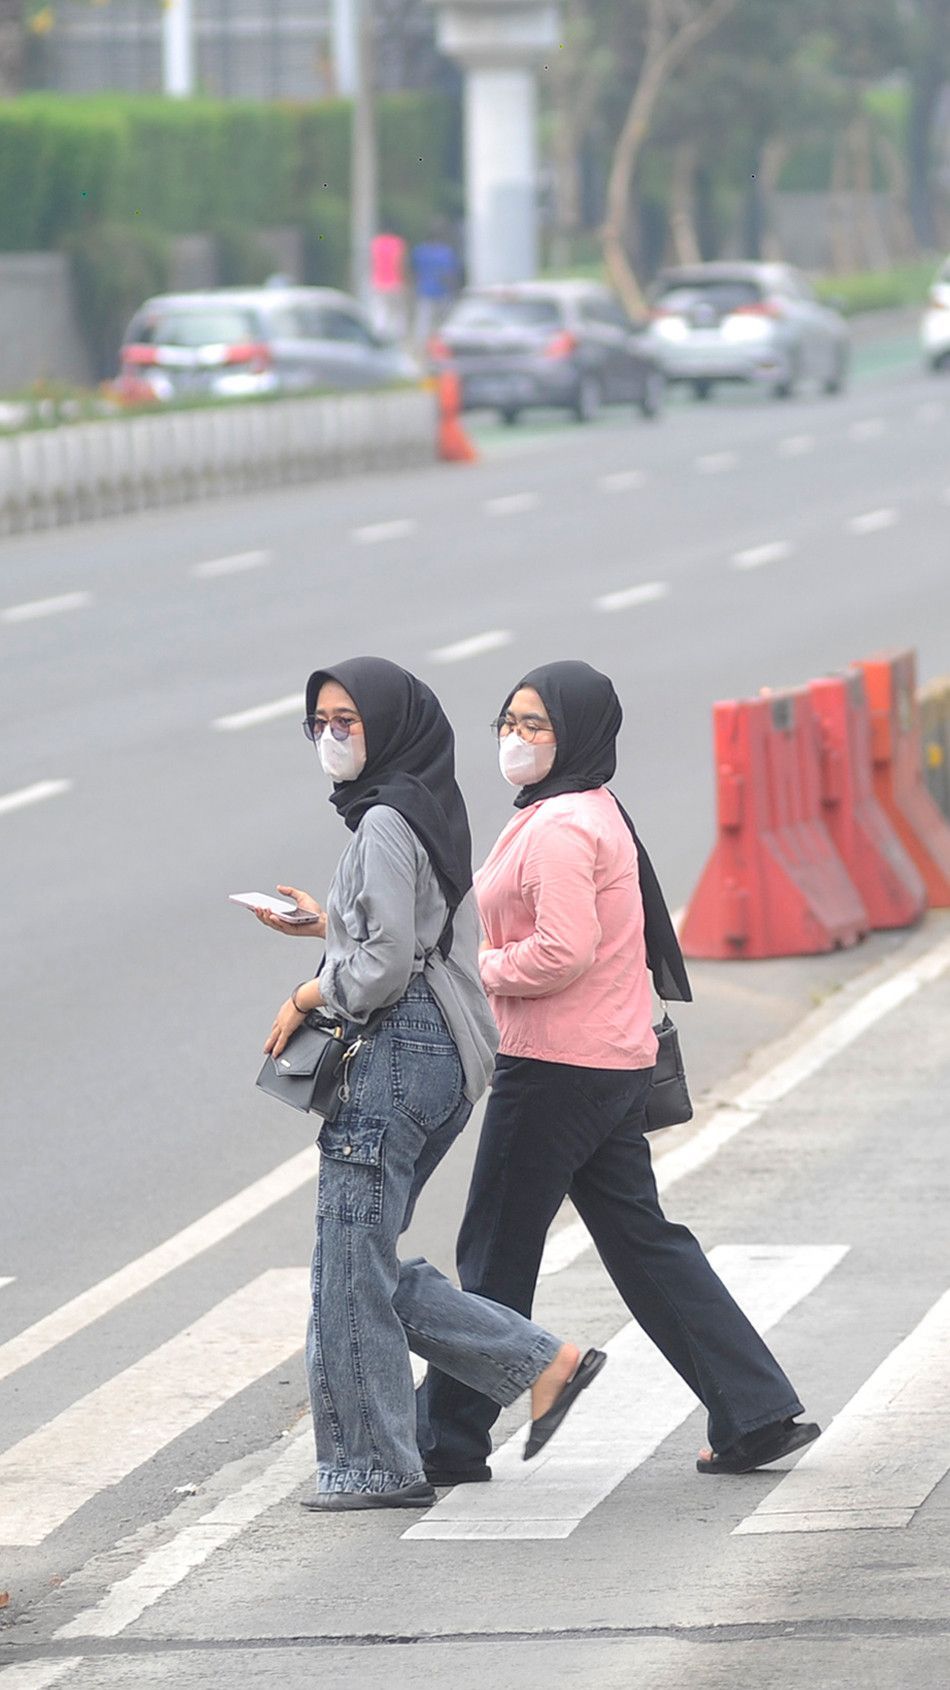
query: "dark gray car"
232, 342
528, 344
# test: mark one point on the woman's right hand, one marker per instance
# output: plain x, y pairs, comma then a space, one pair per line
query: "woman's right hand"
315, 929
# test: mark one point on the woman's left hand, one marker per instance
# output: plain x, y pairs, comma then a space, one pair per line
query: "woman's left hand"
286, 1022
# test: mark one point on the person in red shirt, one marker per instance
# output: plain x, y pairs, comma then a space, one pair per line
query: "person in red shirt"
388, 283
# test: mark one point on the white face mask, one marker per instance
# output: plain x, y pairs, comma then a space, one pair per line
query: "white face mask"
523, 763
342, 759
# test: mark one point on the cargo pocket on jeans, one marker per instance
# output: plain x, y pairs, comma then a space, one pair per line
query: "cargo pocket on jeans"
351, 1171
427, 1080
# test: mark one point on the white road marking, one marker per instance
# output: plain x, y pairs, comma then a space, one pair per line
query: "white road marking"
873, 522
493, 640
38, 1675
621, 480
236, 565
33, 795
796, 445
883, 1454
104, 1437
373, 532
713, 463
772, 551
869, 428
219, 1223
7, 1279
35, 608
932, 411
627, 597
512, 504
260, 713
636, 1404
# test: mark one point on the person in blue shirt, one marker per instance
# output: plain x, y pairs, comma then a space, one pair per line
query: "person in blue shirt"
435, 272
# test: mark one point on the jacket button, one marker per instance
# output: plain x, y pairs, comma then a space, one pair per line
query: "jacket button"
347, 1149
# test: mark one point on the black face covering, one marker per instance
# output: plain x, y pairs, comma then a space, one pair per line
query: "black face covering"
410, 764
586, 715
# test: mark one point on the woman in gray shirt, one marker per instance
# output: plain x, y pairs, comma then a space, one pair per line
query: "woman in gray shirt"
401, 937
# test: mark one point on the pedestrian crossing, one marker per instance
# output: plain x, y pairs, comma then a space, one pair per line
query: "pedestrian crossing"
636, 1405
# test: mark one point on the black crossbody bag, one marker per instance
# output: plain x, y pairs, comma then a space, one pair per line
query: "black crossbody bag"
668, 1100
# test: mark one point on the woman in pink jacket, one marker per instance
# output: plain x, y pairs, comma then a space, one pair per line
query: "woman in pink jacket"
575, 923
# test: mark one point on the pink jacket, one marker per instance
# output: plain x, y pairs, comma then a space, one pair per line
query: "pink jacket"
565, 963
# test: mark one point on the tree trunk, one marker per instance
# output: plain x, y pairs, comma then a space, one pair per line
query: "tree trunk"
775, 151
667, 46
842, 249
871, 238
902, 228
12, 47
683, 231
929, 69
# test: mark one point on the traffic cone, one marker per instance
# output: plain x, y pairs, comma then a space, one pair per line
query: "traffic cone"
454, 445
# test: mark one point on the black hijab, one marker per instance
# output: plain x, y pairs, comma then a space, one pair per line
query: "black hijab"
586, 715
410, 765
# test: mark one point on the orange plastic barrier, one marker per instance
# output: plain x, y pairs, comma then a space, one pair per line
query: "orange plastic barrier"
774, 884
891, 684
882, 870
455, 447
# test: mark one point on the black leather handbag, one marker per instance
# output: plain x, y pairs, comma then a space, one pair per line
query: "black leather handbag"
668, 1101
312, 1072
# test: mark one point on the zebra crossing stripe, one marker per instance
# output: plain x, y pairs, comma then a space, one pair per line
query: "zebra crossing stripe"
883, 1454
38, 1675
105, 1436
636, 1404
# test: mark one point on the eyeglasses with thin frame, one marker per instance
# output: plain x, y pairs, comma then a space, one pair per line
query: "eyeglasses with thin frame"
340, 726
528, 726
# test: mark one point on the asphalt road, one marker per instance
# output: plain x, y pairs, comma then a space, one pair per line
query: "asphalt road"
731, 546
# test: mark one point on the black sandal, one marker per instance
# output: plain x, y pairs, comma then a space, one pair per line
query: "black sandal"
584, 1374
759, 1449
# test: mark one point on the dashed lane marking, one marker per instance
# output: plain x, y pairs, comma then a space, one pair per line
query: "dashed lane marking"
512, 504
34, 609
492, 640
621, 480
372, 533
36, 794
773, 551
715, 463
260, 713
7, 1279
868, 428
796, 445
874, 522
626, 597
105, 1436
603, 1441
236, 565
883, 1454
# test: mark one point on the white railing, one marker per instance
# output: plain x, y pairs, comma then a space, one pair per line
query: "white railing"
81, 470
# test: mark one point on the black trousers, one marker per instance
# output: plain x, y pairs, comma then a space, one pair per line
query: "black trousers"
551, 1130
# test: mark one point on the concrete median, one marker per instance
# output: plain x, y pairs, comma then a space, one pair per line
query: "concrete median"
49, 478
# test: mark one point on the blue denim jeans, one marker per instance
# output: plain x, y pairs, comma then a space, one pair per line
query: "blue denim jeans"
368, 1309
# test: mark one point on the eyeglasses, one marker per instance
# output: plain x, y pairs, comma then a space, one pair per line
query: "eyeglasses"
528, 727
340, 726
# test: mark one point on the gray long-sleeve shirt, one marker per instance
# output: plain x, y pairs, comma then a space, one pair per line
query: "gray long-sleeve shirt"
385, 916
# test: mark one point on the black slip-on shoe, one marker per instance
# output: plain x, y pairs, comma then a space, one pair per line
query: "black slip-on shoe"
444, 1476
584, 1374
349, 1501
759, 1449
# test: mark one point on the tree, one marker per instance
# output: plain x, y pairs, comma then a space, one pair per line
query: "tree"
673, 30
12, 46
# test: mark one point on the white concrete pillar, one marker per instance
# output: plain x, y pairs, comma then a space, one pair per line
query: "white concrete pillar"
501, 174
499, 44
178, 49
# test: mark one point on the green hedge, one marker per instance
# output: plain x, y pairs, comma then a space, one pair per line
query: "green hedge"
115, 267
184, 166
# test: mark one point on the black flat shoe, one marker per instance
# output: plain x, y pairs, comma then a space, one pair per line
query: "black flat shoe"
769, 1443
444, 1476
543, 1429
349, 1501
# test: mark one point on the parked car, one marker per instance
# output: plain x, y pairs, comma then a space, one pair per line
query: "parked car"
231, 342
935, 325
566, 344
746, 322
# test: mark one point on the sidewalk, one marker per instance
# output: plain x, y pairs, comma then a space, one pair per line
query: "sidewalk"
821, 1187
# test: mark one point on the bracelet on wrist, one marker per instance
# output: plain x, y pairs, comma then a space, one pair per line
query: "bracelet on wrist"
293, 998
